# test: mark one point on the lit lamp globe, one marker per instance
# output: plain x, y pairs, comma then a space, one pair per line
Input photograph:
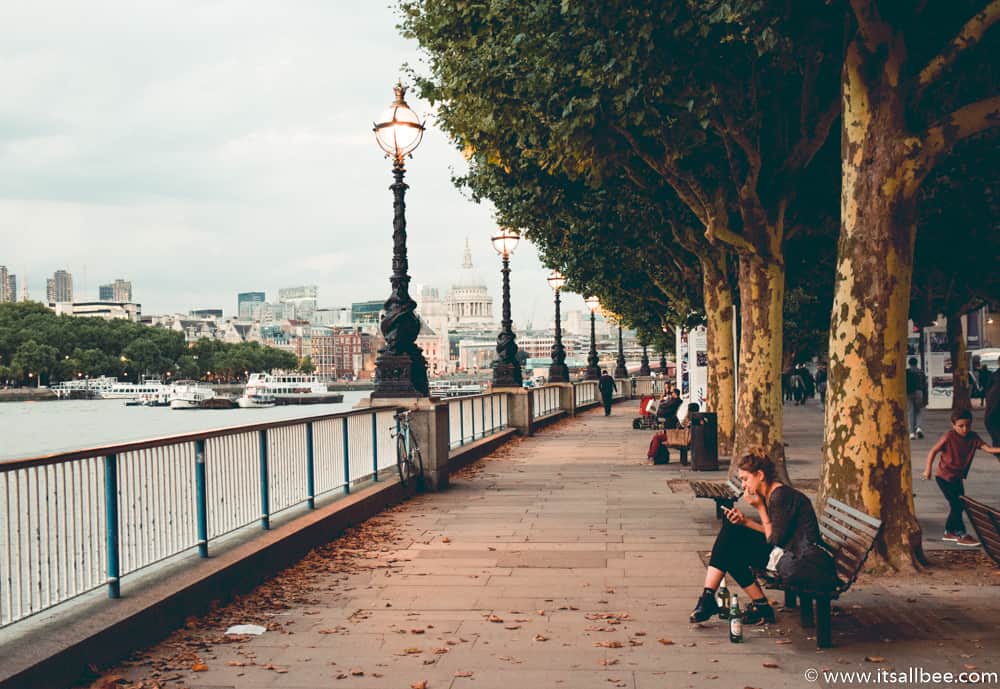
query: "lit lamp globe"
556, 280
593, 303
399, 130
505, 242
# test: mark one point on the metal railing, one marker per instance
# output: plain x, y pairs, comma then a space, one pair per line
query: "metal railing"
586, 392
648, 386
73, 521
545, 401
476, 416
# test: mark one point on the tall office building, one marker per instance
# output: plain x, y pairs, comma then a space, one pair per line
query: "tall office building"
11, 287
119, 290
302, 299
5, 292
59, 287
248, 305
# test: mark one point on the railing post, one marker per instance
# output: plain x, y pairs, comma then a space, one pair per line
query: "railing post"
461, 424
310, 468
347, 461
493, 419
201, 496
265, 498
374, 447
482, 410
111, 517
472, 418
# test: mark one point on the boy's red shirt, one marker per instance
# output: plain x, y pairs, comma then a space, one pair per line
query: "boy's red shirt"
957, 454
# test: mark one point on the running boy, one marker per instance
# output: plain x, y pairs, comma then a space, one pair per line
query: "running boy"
957, 447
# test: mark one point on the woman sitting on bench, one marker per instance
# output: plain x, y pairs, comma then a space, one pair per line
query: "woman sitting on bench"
786, 541
658, 442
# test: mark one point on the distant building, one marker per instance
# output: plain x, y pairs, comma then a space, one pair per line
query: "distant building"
367, 312
59, 287
339, 354
337, 317
273, 313
119, 290
206, 313
248, 305
302, 299
107, 310
470, 306
8, 285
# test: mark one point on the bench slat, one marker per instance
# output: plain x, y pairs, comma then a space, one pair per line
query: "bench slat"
843, 533
876, 524
850, 522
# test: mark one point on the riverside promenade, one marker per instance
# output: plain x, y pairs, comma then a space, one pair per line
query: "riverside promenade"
566, 560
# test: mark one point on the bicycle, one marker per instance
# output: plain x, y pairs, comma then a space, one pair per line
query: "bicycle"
409, 460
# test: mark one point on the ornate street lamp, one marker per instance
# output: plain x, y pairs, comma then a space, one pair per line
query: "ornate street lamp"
592, 372
400, 370
621, 371
644, 366
663, 360
506, 368
558, 371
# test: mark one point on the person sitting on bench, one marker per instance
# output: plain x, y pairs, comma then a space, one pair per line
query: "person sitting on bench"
785, 541
658, 442
670, 404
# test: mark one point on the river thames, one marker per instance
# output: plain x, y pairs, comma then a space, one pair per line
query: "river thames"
30, 429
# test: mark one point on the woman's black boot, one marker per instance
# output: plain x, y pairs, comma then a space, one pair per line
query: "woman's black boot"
706, 608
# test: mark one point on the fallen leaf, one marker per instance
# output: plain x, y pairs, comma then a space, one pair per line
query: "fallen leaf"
666, 642
608, 644
439, 651
422, 684
874, 659
783, 641
608, 661
512, 626
539, 637
446, 540
494, 618
416, 631
199, 667
463, 673
412, 650
770, 665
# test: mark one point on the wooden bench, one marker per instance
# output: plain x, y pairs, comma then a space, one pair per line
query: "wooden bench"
850, 535
725, 493
986, 522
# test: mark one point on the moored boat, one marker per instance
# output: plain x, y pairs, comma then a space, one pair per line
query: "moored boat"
189, 395
256, 401
291, 388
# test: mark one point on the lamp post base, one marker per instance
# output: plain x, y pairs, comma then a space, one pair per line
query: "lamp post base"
394, 376
558, 373
621, 371
507, 375
592, 373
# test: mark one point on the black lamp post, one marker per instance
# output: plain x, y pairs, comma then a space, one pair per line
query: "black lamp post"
663, 360
400, 370
620, 370
644, 366
506, 368
592, 372
558, 371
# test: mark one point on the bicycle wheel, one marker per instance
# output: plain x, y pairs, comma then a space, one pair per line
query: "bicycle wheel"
403, 465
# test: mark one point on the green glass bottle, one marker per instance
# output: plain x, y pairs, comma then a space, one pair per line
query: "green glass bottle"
735, 621
723, 595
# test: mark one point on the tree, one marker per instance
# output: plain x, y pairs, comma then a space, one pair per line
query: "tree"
36, 359
306, 364
912, 88
710, 98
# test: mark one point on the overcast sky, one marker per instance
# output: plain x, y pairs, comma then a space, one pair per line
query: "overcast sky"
204, 148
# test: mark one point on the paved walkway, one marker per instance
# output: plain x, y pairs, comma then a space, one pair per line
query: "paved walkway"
567, 561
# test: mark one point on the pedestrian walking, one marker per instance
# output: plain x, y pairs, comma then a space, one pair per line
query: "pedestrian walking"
957, 448
821, 384
798, 387
992, 412
915, 384
983, 380
607, 387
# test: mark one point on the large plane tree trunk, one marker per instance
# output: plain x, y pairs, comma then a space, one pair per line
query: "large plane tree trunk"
721, 395
866, 449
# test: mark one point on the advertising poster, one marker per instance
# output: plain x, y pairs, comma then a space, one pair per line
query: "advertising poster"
681, 370
937, 367
698, 365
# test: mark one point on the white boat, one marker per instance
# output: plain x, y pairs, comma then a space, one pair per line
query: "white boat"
140, 390
189, 396
256, 401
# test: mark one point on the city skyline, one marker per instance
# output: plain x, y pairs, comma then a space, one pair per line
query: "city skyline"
230, 153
